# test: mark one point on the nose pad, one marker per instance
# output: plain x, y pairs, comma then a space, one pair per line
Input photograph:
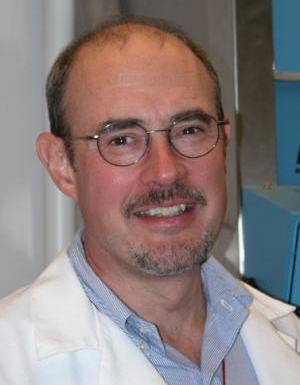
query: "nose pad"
162, 165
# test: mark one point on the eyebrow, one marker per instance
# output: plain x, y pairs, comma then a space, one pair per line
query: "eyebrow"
122, 123
118, 123
188, 115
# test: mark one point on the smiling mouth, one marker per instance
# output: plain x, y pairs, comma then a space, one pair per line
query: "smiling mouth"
165, 212
165, 203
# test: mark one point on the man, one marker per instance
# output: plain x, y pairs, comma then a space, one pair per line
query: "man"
139, 141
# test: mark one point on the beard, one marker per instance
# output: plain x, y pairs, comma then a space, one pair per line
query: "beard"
172, 260
177, 257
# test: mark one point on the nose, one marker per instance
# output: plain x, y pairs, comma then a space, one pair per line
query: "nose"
162, 166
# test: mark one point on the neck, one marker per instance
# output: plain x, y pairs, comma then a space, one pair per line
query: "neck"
176, 304
180, 312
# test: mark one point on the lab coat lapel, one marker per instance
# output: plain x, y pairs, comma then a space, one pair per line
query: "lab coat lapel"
63, 317
67, 324
122, 363
274, 361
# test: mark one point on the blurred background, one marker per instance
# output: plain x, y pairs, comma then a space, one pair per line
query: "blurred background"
36, 220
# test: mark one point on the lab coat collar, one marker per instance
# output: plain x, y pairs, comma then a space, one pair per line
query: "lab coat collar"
63, 317
272, 354
65, 321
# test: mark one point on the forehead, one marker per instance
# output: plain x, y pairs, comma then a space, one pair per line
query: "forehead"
146, 67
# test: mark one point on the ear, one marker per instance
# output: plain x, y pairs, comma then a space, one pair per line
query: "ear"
226, 130
225, 137
52, 153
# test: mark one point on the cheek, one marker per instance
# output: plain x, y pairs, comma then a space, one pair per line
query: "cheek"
216, 175
102, 188
218, 190
211, 171
211, 179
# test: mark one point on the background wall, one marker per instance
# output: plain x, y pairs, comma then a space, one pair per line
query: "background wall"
22, 116
35, 220
256, 139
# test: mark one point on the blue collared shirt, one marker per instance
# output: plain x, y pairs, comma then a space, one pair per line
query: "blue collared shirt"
227, 309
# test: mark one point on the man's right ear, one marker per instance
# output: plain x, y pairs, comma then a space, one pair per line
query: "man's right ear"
52, 153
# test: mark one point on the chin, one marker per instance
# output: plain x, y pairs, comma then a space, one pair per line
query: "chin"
172, 260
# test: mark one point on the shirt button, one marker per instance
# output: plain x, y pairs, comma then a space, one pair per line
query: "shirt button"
142, 346
226, 305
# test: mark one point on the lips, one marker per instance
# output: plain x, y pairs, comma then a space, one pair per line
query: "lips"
165, 203
165, 212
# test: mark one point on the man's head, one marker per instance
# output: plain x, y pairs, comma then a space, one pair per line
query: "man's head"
161, 213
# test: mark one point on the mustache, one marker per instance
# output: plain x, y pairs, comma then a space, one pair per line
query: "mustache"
160, 195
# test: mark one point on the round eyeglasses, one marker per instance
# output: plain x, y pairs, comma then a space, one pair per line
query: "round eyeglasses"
124, 142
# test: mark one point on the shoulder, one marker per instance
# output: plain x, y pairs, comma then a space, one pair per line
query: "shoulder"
280, 315
270, 307
16, 307
14, 300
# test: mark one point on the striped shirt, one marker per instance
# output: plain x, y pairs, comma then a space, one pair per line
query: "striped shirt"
227, 309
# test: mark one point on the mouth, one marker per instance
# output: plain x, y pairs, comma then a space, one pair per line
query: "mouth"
165, 212
177, 201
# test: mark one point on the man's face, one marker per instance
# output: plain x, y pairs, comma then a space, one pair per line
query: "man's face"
162, 214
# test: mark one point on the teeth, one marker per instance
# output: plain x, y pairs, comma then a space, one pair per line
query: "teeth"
165, 211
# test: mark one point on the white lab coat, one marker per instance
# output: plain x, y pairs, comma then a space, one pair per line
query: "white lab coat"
50, 334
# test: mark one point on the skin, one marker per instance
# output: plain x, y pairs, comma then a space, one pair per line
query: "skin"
152, 82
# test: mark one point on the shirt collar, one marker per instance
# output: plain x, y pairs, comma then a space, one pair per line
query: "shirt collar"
227, 309
99, 294
227, 304
218, 284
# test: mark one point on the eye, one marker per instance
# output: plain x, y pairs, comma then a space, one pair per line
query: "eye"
192, 130
121, 140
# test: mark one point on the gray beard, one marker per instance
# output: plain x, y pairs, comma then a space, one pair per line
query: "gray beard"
174, 260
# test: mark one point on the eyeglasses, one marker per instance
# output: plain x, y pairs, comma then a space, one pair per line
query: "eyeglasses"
125, 142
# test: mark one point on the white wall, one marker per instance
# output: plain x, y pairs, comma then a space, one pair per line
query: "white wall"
22, 117
24, 49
